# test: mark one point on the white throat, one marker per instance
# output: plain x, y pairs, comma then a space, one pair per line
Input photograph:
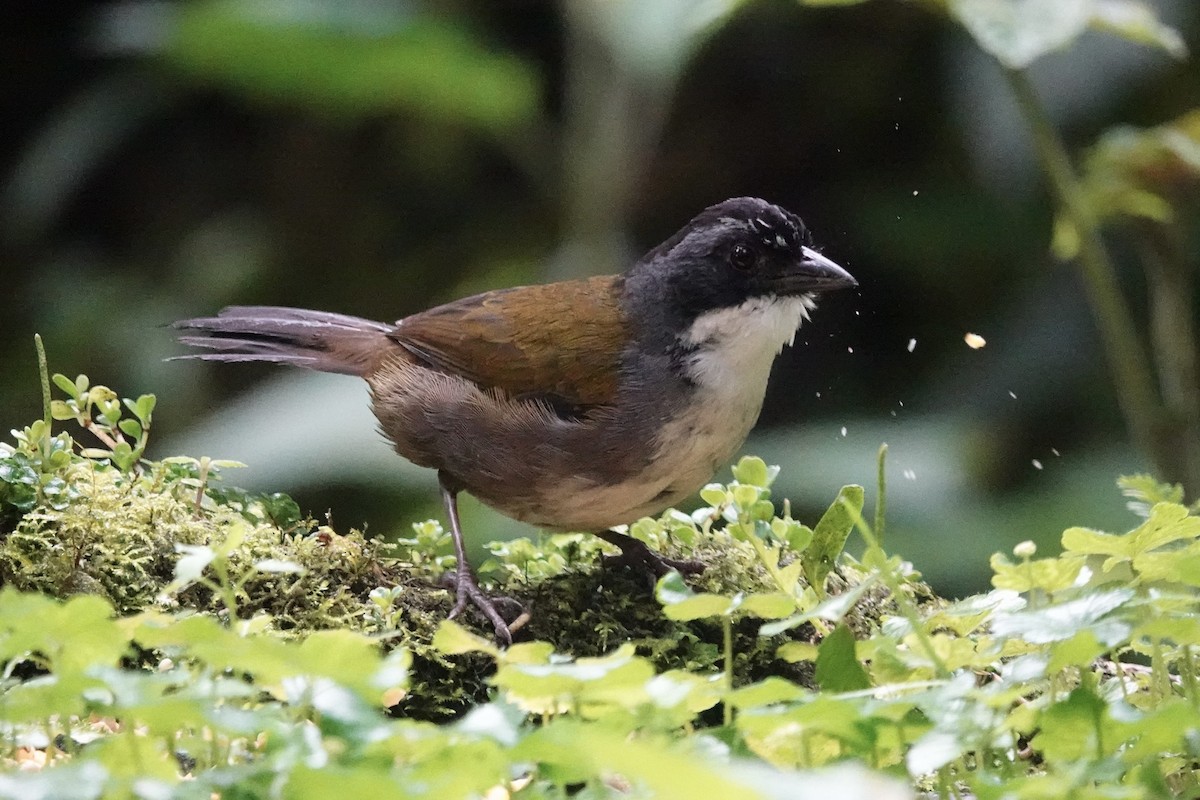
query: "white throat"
735, 347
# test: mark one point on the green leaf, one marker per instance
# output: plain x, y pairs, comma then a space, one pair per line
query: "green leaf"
766, 692
131, 427
1071, 729
832, 609
123, 456
321, 57
72, 636
753, 470
934, 750
1017, 33
838, 669
498, 721
1168, 523
68, 385
1046, 574
1169, 728
798, 537
142, 408
744, 495
794, 652
308, 783
60, 410
1091, 542
714, 494
579, 752
1078, 651
618, 678
453, 639
761, 511
80, 780
768, 605
345, 656
699, 607
672, 588
1147, 491
829, 537
1136, 21
681, 603
842, 719
1175, 566
1061, 621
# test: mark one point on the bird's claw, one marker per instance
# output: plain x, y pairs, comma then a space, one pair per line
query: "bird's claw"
637, 556
467, 592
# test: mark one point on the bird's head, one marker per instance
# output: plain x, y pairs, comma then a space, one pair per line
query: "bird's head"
741, 258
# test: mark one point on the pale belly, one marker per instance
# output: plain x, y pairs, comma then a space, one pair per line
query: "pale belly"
687, 454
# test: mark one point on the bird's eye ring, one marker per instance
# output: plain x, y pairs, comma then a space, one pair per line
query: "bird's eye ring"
741, 257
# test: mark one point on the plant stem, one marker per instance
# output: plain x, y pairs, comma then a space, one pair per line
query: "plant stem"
726, 708
904, 603
44, 372
1173, 341
770, 562
1126, 357
1187, 675
881, 497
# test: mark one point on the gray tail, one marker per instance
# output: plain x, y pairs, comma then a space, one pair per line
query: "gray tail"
317, 340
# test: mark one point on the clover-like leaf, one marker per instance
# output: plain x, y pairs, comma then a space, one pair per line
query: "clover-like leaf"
453, 639
754, 471
681, 603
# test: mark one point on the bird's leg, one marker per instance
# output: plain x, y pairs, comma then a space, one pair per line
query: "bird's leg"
636, 555
465, 586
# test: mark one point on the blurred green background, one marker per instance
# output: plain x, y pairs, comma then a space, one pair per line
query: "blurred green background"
163, 159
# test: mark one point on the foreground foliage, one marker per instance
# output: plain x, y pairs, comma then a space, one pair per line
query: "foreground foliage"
165, 637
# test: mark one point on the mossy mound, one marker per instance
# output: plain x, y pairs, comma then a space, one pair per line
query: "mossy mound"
129, 537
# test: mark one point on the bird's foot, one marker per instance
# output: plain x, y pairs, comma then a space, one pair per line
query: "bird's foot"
467, 592
637, 556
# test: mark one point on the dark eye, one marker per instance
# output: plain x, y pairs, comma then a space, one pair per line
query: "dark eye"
741, 257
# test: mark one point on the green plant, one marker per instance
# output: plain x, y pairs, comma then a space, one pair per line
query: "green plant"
163, 637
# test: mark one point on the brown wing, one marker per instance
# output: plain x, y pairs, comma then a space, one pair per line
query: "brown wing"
558, 342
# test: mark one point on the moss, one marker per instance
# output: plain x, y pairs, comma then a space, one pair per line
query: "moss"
116, 538
120, 536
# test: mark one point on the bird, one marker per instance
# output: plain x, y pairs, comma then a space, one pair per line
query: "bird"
579, 405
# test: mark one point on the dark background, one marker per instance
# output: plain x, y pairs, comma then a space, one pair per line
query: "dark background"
161, 160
